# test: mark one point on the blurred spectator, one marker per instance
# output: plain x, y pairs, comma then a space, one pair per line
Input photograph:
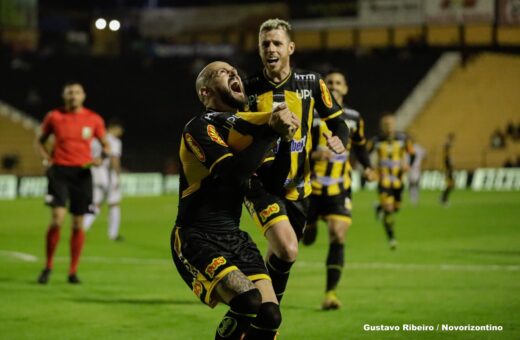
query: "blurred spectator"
498, 139
508, 163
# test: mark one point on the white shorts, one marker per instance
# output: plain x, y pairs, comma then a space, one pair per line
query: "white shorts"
106, 188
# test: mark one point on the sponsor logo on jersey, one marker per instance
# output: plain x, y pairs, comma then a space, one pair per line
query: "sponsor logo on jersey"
325, 94
216, 263
298, 145
304, 76
86, 132
214, 136
269, 211
197, 287
304, 94
195, 147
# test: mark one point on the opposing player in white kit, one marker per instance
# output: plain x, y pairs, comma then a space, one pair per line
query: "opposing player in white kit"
414, 175
105, 178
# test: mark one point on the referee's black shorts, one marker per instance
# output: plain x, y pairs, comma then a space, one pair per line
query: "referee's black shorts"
70, 183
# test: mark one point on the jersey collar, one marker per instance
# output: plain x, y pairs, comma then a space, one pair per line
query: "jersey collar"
277, 85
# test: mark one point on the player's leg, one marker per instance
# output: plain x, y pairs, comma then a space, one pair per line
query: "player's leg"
268, 319
447, 190
80, 204
114, 212
56, 198
386, 199
244, 301
310, 233
270, 215
338, 217
98, 195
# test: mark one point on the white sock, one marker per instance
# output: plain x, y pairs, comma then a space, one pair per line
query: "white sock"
88, 220
114, 219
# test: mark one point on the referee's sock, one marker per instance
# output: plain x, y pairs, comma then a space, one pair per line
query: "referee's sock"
279, 271
335, 261
265, 325
53, 236
243, 309
76, 244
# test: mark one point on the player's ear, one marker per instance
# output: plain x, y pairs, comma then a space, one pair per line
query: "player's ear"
203, 92
292, 46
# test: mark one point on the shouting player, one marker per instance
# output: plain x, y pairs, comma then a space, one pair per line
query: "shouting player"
331, 186
68, 173
282, 214
106, 181
391, 148
220, 150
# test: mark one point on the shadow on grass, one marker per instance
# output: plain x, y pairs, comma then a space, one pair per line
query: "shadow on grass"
137, 301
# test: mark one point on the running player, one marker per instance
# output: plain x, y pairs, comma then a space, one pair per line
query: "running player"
391, 148
220, 150
414, 176
282, 214
106, 181
68, 173
448, 169
331, 186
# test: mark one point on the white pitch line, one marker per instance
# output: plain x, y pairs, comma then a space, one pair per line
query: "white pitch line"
304, 264
18, 255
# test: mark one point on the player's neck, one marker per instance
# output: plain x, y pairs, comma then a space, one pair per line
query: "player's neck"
74, 109
278, 77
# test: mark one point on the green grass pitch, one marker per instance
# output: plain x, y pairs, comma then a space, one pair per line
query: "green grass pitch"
458, 265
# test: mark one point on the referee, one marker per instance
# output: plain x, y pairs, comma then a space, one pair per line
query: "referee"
68, 171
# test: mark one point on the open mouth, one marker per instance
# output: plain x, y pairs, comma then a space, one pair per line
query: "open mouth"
272, 61
235, 86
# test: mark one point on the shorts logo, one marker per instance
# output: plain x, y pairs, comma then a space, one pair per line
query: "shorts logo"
213, 134
269, 211
214, 265
325, 94
197, 287
86, 132
195, 147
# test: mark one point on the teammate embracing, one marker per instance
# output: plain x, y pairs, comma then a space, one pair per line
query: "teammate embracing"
282, 214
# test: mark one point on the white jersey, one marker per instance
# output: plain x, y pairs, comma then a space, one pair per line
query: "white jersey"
415, 168
105, 178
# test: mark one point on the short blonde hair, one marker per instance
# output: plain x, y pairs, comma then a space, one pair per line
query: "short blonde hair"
272, 24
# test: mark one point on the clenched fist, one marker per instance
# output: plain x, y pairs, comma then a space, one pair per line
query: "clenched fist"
284, 122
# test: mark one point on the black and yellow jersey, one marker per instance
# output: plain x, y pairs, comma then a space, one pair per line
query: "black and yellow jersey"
391, 154
332, 177
204, 200
303, 92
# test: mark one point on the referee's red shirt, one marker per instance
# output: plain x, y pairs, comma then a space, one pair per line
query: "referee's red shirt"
73, 133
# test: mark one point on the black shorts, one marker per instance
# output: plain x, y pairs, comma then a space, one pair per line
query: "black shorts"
336, 207
268, 209
70, 183
203, 258
389, 195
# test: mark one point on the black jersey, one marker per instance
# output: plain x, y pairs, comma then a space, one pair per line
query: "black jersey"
205, 201
303, 92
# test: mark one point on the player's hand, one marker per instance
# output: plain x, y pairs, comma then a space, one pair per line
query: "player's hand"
284, 122
334, 143
322, 154
406, 167
370, 174
47, 162
97, 161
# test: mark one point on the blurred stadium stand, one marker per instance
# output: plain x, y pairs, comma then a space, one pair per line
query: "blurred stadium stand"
144, 72
478, 98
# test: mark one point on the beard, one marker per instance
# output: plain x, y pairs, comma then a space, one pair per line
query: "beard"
233, 102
